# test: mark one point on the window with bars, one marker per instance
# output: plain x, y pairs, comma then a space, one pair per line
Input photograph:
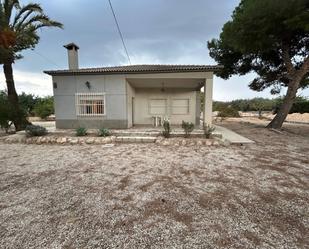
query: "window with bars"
90, 104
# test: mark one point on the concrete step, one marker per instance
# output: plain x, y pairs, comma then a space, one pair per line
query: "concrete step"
232, 137
196, 134
136, 133
132, 139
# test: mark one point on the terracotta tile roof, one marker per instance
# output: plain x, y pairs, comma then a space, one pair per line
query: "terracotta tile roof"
136, 69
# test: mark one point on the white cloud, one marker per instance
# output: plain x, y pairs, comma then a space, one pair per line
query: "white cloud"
35, 83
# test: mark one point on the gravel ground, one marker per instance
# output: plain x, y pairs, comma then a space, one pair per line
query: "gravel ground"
150, 196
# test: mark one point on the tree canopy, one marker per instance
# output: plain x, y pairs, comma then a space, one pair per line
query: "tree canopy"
19, 26
259, 36
271, 38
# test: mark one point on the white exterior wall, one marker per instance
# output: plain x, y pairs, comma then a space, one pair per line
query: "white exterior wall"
118, 96
142, 114
114, 88
130, 95
208, 92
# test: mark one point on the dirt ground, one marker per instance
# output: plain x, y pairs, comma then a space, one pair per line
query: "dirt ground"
293, 117
150, 196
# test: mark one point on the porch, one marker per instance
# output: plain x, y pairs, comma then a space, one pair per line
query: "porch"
176, 97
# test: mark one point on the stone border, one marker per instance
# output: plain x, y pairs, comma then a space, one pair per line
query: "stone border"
189, 141
22, 138
17, 138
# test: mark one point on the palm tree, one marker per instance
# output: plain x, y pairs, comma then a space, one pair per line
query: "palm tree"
19, 27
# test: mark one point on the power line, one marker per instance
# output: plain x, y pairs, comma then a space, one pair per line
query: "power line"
119, 31
46, 58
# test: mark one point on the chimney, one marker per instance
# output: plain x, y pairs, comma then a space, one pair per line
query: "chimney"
72, 55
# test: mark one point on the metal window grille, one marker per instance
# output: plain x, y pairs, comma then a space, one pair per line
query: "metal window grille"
90, 104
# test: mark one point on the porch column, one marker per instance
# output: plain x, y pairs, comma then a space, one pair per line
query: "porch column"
208, 88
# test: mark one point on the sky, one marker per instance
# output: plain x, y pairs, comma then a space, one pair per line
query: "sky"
155, 32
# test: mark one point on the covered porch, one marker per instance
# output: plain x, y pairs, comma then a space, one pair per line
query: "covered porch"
176, 97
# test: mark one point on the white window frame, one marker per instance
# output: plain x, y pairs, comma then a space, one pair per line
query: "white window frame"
165, 106
187, 106
89, 96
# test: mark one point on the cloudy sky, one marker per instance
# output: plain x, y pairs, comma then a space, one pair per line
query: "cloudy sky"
155, 31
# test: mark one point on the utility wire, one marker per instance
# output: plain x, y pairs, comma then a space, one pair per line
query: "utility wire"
46, 58
119, 31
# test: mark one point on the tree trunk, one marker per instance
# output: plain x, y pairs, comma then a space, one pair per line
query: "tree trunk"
13, 97
286, 106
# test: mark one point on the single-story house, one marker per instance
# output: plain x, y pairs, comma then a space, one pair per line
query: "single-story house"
125, 96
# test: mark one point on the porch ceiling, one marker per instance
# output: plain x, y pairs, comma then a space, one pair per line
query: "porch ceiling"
166, 83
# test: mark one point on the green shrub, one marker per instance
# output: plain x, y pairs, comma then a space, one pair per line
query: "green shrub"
44, 107
8, 113
103, 132
81, 131
5, 119
167, 129
27, 102
300, 107
208, 130
35, 130
228, 112
187, 127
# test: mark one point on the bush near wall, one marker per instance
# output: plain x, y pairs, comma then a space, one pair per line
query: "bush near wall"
301, 105
228, 111
44, 107
35, 130
8, 113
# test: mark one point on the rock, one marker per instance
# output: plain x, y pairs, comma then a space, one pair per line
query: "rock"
183, 142
175, 142
107, 140
28, 140
74, 141
53, 140
226, 142
7, 140
97, 141
63, 140
90, 141
165, 143
81, 140
36, 140
208, 142
159, 140
191, 143
216, 143
199, 143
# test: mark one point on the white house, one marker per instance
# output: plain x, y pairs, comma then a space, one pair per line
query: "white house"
126, 96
